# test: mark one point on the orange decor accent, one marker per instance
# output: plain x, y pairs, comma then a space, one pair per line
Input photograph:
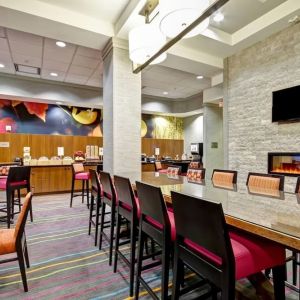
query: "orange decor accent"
222, 177
264, 182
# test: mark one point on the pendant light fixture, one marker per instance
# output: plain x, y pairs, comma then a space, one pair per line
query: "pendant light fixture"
176, 15
144, 41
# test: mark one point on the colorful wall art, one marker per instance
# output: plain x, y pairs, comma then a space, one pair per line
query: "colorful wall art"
40, 118
162, 127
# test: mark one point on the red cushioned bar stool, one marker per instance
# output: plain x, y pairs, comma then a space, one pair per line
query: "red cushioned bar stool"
205, 244
79, 174
109, 198
157, 223
128, 209
18, 178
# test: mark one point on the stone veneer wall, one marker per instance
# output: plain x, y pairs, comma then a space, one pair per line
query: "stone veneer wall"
250, 77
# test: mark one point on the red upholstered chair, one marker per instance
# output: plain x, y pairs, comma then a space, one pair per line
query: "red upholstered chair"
205, 244
14, 241
18, 178
128, 209
79, 174
157, 223
109, 198
158, 167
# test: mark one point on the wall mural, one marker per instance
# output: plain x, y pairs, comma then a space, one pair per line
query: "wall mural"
162, 127
41, 118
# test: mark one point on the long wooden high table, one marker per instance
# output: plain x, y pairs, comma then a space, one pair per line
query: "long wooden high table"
273, 215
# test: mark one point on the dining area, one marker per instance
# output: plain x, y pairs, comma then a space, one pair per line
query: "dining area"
213, 227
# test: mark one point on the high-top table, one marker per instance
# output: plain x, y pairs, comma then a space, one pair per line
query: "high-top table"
270, 214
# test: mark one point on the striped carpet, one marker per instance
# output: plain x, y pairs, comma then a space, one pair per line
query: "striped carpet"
64, 262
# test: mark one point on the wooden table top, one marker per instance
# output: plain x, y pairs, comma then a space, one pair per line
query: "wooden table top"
271, 214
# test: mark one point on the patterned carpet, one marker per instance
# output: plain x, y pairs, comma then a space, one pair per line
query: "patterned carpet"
64, 262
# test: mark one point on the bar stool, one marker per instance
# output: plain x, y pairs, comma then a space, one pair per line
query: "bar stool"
18, 178
78, 173
129, 209
157, 223
204, 244
109, 198
96, 194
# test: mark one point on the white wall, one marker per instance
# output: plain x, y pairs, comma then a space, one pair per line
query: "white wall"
193, 131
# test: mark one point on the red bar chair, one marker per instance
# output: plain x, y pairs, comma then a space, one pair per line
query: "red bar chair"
79, 174
205, 244
18, 178
157, 223
109, 198
128, 209
14, 241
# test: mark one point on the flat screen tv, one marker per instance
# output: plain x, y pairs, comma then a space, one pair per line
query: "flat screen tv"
286, 105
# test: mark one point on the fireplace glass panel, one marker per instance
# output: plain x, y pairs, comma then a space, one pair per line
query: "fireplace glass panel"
284, 163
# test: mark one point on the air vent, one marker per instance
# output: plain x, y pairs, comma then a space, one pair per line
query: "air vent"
27, 69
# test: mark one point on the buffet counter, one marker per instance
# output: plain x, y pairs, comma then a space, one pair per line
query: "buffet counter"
56, 178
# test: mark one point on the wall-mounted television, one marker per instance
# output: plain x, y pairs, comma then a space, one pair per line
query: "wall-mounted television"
197, 148
286, 105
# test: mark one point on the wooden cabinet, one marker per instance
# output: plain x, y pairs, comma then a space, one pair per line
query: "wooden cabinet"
53, 179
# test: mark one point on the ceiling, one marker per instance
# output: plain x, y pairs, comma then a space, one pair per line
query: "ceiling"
80, 65
239, 13
107, 10
31, 27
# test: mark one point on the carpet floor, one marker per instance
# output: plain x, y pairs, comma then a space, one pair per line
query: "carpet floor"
64, 262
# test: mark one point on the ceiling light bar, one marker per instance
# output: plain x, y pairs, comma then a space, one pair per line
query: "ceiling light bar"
207, 13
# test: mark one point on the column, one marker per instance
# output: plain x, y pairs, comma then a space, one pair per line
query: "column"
212, 138
121, 112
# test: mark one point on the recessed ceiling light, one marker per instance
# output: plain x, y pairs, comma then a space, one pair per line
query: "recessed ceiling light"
60, 44
53, 74
199, 77
2, 66
165, 93
218, 17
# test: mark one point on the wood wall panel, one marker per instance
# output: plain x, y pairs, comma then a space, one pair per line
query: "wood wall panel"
167, 147
46, 145
43, 145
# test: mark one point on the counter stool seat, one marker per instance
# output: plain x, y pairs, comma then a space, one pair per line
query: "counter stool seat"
129, 208
79, 174
82, 176
251, 254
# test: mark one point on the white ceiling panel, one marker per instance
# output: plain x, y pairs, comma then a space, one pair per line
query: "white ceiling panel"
84, 61
5, 56
26, 60
2, 32
20, 36
26, 48
4, 44
45, 74
52, 52
76, 70
55, 65
76, 79
88, 52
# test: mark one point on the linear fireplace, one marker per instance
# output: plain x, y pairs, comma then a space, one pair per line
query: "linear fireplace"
284, 163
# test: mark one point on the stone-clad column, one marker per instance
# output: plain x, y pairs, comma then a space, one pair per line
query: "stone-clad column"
121, 112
